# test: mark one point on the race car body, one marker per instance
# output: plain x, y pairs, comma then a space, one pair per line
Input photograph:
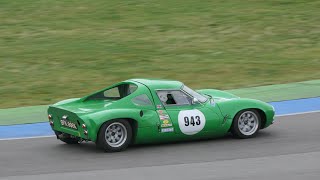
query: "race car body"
139, 111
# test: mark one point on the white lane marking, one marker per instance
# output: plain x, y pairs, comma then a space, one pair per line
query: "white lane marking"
32, 137
37, 137
292, 114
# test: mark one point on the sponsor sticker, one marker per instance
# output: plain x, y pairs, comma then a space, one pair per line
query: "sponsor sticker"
164, 117
165, 130
165, 121
166, 125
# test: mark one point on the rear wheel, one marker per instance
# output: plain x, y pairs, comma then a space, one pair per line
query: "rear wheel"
115, 135
246, 124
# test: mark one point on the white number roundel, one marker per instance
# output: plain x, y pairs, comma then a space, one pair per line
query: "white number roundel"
191, 121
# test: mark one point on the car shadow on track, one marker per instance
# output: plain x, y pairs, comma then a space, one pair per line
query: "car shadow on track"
220, 140
90, 147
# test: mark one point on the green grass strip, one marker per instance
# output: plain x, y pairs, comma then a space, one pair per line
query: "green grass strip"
306, 89
53, 49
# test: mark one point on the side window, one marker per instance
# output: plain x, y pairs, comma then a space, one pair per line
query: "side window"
112, 93
174, 97
142, 100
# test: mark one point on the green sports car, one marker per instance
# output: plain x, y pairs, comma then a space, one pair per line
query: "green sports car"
140, 111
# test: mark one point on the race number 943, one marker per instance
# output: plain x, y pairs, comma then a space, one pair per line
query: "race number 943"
192, 121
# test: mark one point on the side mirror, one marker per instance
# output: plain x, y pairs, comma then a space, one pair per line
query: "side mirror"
195, 101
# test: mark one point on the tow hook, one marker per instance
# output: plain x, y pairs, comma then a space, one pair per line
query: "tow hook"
60, 136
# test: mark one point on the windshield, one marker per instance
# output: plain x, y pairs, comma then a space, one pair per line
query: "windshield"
194, 94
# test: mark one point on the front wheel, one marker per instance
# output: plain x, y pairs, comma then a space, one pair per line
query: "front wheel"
246, 124
115, 135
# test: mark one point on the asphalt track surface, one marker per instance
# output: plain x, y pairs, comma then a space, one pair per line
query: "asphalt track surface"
289, 149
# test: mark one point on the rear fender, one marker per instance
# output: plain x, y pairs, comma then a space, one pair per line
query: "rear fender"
141, 118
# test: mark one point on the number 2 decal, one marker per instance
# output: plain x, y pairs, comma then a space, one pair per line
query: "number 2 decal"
191, 121
187, 122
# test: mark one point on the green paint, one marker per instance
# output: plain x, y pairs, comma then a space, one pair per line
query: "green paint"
306, 89
190, 119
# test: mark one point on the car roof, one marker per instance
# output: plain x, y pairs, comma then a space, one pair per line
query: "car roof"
156, 84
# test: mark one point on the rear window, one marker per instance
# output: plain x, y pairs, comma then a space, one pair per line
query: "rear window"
142, 100
114, 93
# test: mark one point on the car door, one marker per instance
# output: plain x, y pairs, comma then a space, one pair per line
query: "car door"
189, 119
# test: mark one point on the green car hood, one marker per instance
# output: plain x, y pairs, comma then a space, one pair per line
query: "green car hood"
230, 104
218, 95
76, 105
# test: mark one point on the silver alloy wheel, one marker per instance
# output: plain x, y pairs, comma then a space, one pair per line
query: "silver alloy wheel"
116, 134
248, 123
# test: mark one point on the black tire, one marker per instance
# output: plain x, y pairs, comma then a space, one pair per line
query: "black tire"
106, 145
66, 138
239, 124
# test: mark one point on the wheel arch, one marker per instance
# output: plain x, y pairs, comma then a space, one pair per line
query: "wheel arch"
133, 123
262, 115
134, 126
232, 107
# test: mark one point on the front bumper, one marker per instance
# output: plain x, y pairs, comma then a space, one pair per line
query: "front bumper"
270, 117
